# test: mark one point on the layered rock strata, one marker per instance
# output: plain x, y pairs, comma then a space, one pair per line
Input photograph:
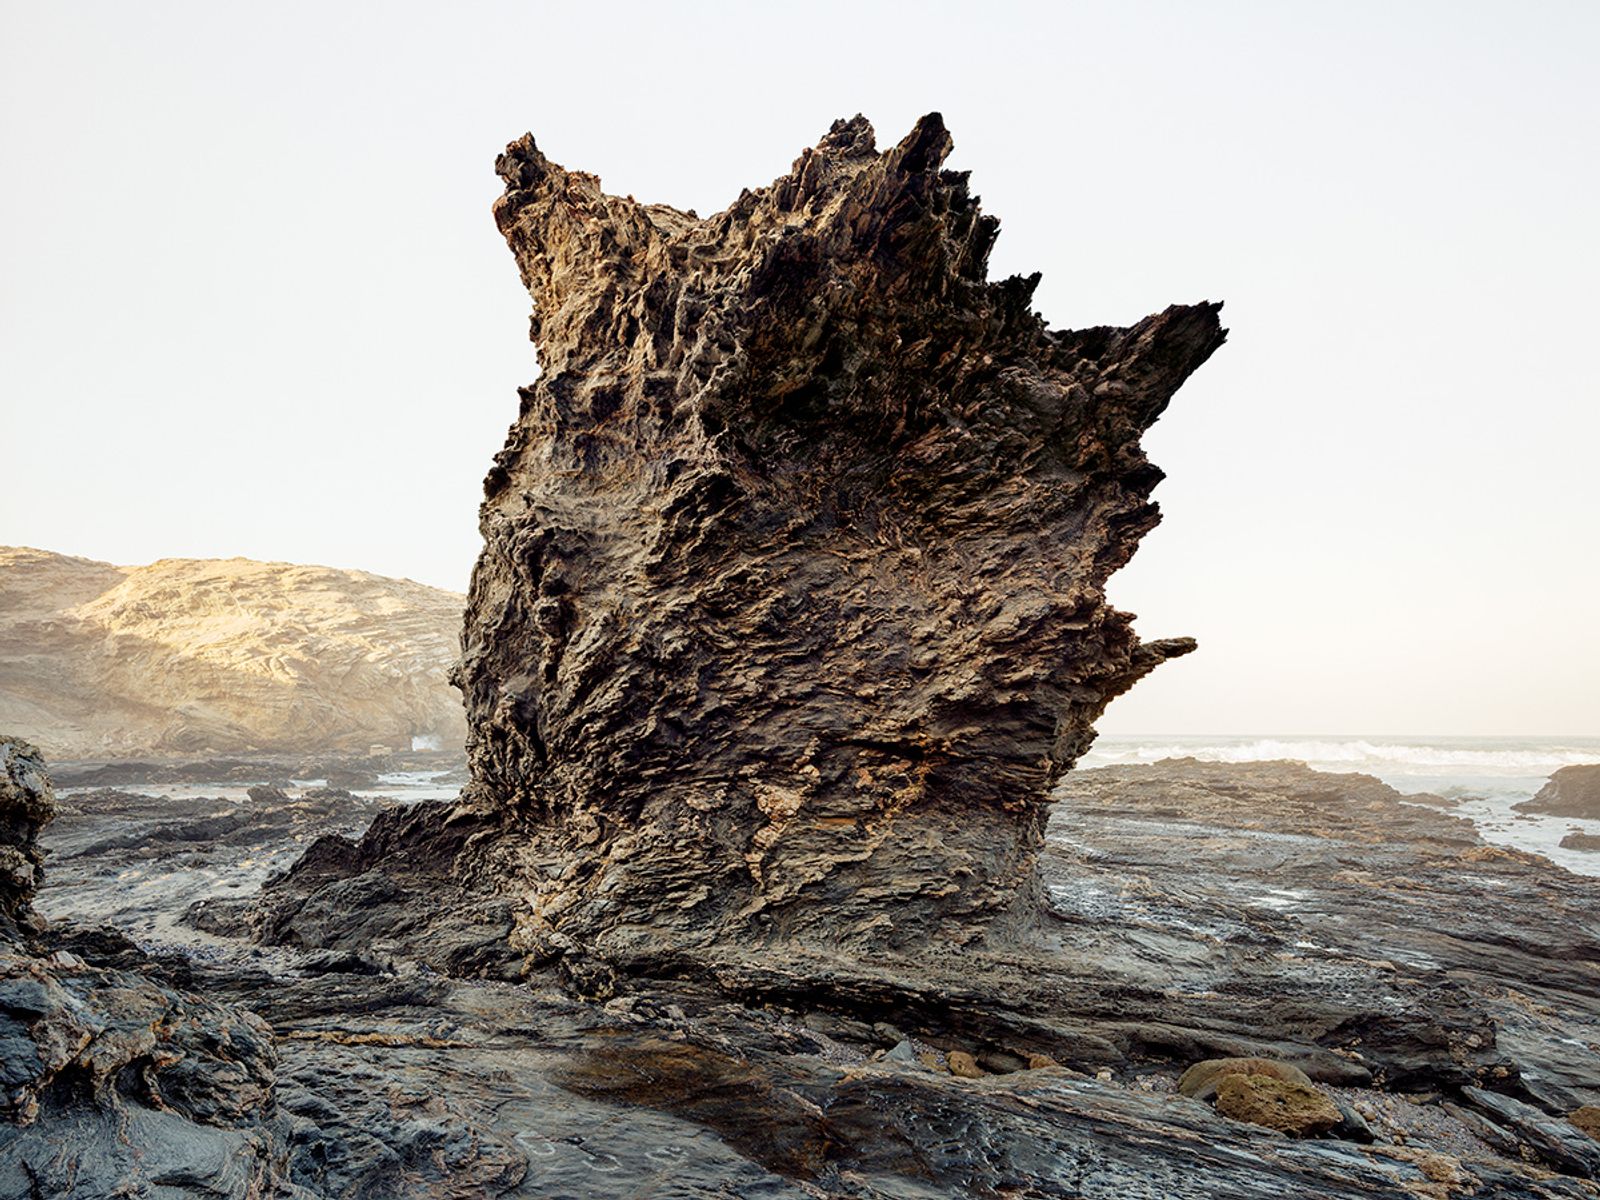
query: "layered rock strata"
791, 604
1438, 990
114, 1081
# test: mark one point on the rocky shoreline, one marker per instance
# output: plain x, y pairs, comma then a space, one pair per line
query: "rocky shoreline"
1437, 990
763, 880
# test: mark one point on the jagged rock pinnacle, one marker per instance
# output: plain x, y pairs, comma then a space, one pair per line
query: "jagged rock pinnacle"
791, 604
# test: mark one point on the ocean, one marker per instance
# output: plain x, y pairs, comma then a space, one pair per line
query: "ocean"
1487, 775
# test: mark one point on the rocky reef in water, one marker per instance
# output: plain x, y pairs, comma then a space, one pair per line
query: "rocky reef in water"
1571, 792
791, 604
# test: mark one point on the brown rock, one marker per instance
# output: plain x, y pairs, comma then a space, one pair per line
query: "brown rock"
1200, 1081
1587, 1119
1294, 1108
1038, 1062
26, 806
963, 1064
791, 606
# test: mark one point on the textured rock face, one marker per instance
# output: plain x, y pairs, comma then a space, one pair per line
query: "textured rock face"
26, 804
791, 601
1571, 792
1332, 931
1297, 1109
114, 1082
190, 656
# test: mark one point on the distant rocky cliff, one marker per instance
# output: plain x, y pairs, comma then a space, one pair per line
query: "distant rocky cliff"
791, 606
190, 656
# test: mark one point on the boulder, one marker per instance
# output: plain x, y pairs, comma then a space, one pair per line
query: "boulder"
1571, 792
1200, 1081
1297, 1109
963, 1065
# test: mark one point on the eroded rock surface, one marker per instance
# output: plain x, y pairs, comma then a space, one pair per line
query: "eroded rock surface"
1271, 904
1571, 792
25, 808
791, 603
1198, 909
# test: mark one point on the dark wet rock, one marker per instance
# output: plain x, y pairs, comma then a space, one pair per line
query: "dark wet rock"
129, 773
409, 1083
113, 1081
1330, 910
1286, 1105
393, 891
1337, 929
96, 1032
339, 962
142, 860
342, 778
351, 771
329, 794
1578, 840
1352, 1126
1571, 792
1550, 1140
26, 806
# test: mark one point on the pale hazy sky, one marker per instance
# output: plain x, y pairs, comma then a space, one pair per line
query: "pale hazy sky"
252, 301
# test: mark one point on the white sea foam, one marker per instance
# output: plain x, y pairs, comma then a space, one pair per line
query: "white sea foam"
1471, 757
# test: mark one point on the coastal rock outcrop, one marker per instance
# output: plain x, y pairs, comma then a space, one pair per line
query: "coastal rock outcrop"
791, 605
1571, 792
222, 656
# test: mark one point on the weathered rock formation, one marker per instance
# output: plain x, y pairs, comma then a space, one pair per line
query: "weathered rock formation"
791, 604
1571, 792
230, 656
